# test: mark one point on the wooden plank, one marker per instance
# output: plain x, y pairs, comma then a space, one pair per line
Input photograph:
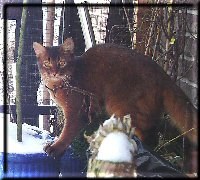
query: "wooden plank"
29, 109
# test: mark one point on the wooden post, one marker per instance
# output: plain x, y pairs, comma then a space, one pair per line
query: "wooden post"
99, 168
18, 74
49, 42
143, 25
108, 167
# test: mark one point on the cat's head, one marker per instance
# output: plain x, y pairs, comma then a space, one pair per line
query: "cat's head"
53, 61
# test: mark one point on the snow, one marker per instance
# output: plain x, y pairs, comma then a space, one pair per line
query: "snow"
33, 139
116, 146
110, 121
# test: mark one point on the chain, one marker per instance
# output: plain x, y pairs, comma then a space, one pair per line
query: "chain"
66, 85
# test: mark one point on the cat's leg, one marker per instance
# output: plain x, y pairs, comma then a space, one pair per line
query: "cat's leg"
72, 126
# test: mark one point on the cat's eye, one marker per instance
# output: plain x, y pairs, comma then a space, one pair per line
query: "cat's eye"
62, 63
47, 64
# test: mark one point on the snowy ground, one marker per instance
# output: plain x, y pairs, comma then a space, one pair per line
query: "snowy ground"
33, 138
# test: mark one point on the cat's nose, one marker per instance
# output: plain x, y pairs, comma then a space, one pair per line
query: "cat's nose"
54, 74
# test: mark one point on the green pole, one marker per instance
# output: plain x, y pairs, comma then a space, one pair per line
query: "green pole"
18, 74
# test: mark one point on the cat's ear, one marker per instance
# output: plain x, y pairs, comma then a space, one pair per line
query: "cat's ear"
39, 49
68, 45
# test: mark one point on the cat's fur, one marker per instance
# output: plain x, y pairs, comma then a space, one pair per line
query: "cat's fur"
122, 80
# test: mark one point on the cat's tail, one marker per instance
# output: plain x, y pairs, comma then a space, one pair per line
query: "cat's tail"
182, 112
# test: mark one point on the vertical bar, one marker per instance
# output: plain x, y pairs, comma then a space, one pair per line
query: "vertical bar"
18, 74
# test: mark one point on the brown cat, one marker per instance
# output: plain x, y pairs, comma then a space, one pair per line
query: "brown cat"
122, 80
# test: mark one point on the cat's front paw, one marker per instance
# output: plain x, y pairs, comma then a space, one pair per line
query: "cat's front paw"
54, 150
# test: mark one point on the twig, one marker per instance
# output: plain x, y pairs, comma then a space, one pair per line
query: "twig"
129, 26
158, 148
155, 13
